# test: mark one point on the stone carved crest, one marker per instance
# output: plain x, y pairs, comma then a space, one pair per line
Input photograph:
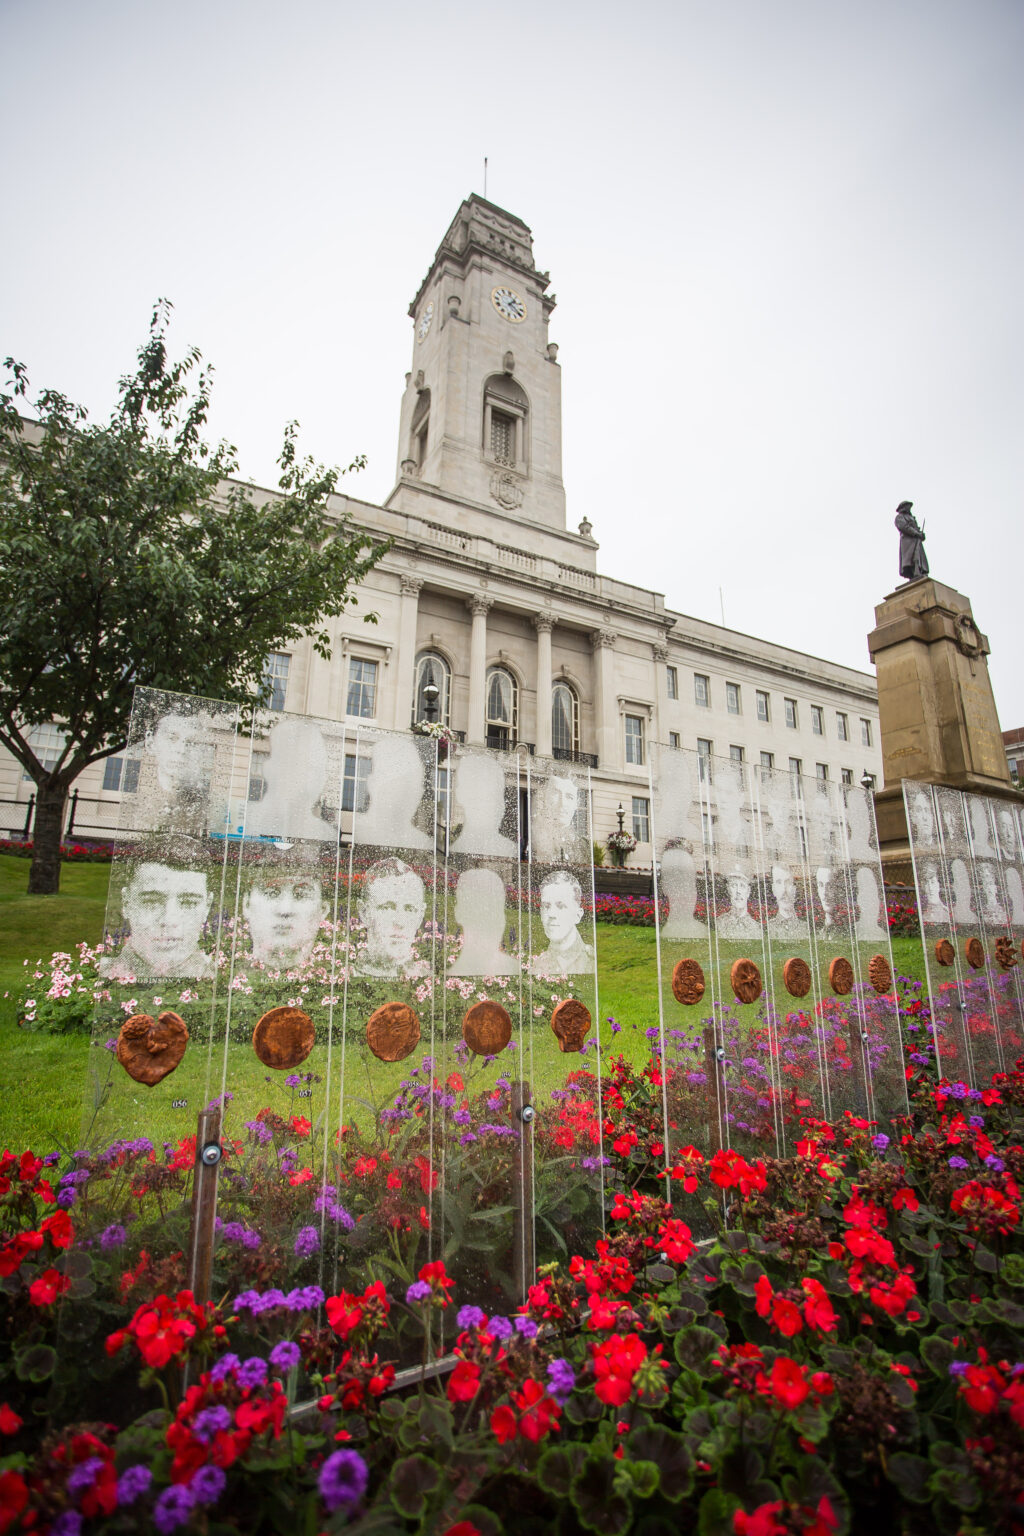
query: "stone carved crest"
506, 490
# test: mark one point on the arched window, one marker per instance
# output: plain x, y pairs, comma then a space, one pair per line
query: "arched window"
565, 722
504, 426
502, 723
432, 668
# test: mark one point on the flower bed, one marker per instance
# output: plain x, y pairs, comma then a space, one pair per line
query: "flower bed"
72, 853
844, 1349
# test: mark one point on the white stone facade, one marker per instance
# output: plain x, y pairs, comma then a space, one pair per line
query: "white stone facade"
483, 574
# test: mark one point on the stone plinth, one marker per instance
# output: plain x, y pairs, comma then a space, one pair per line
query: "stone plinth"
937, 716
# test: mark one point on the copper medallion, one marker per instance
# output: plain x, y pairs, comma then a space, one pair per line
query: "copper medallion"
283, 1037
840, 976
149, 1049
486, 1028
879, 973
746, 980
392, 1031
975, 952
687, 982
1006, 953
796, 977
945, 954
570, 1020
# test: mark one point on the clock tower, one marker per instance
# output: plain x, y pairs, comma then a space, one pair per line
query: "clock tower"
481, 426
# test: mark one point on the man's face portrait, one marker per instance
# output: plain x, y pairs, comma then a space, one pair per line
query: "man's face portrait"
392, 911
783, 884
284, 913
183, 753
739, 890
166, 909
560, 911
562, 801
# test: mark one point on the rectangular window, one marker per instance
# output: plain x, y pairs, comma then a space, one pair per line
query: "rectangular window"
842, 727
641, 819
47, 743
737, 754
112, 775
865, 733
257, 783
796, 768
790, 713
702, 690
821, 771
634, 740
704, 749
275, 680
362, 688
847, 775
767, 759
674, 739
762, 706
732, 698
503, 438
817, 720
353, 784
673, 682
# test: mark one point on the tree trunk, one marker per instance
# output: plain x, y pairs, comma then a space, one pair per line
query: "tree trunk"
44, 875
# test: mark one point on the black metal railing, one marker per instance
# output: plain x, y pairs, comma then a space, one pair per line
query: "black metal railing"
502, 742
570, 755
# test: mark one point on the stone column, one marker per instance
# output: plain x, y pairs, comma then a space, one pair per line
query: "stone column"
660, 654
405, 661
606, 714
478, 606
543, 623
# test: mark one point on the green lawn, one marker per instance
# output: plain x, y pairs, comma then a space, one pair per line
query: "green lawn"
45, 1075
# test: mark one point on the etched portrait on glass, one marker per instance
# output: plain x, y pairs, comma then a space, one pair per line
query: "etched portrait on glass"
561, 912
165, 902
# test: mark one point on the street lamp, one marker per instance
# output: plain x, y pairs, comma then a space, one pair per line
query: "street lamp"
621, 814
431, 694
867, 782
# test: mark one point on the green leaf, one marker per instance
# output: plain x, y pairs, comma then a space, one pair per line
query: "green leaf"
600, 1506
435, 1420
938, 1354
1013, 1269
412, 1481
35, 1363
557, 1467
714, 1517
696, 1349
669, 1453
911, 1475
639, 1478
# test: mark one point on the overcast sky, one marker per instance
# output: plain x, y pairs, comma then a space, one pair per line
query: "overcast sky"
785, 236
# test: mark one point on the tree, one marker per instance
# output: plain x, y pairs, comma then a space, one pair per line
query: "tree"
129, 558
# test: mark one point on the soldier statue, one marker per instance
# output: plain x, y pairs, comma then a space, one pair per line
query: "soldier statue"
913, 560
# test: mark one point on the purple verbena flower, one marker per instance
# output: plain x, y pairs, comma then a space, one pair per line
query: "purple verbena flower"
470, 1317
959, 1162
418, 1291
253, 1373
307, 1242
84, 1475
173, 1508
526, 1327
561, 1380
224, 1367
210, 1422
343, 1480
499, 1327
113, 1237
133, 1483
285, 1355
208, 1484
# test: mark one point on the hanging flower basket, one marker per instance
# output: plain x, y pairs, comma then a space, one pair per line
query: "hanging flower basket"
442, 734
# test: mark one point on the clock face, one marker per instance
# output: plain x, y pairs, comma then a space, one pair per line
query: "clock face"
425, 319
508, 304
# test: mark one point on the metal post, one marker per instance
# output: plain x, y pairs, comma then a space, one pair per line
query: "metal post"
26, 829
524, 1261
204, 1204
71, 817
714, 1057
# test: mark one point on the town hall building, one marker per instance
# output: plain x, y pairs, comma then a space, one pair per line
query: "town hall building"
488, 597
